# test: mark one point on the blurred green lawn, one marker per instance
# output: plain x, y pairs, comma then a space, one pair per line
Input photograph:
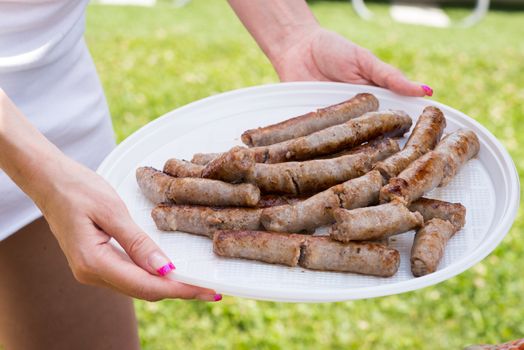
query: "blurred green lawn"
152, 60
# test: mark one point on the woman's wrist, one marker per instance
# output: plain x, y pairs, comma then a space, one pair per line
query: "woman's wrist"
301, 37
276, 25
26, 156
288, 38
47, 177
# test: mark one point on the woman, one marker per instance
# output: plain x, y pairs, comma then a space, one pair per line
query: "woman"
55, 128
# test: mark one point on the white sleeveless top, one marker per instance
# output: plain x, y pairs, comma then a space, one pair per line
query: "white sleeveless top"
46, 69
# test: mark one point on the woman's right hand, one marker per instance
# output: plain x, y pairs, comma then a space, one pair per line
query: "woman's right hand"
84, 213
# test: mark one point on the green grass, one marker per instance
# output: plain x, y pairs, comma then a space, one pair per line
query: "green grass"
152, 60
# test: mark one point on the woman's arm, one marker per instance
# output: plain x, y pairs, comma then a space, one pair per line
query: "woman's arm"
84, 213
300, 49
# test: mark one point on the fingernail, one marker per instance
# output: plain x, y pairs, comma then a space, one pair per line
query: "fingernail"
160, 264
427, 90
167, 268
209, 297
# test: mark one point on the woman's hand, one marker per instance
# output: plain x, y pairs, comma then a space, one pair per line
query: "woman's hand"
84, 212
315, 53
300, 49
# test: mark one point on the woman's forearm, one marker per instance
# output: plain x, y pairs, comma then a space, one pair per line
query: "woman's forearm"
26, 156
274, 24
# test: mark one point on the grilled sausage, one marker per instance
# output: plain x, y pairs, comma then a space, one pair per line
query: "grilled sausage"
442, 221
368, 258
159, 187
311, 122
456, 149
434, 168
373, 222
270, 200
274, 248
377, 149
204, 221
231, 166
333, 139
317, 253
317, 210
154, 184
182, 168
433, 208
428, 246
298, 177
204, 158
423, 138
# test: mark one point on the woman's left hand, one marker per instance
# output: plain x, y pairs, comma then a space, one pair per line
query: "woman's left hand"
319, 54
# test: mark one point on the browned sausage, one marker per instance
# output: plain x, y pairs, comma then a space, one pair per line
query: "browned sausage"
204, 158
274, 248
298, 177
457, 148
231, 166
428, 246
443, 220
204, 220
159, 187
271, 200
352, 133
373, 222
182, 168
433, 208
311, 122
423, 138
317, 253
324, 254
154, 184
434, 168
333, 139
317, 210
377, 148
316, 175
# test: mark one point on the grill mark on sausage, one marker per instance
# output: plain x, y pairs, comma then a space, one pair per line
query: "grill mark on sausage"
425, 136
434, 168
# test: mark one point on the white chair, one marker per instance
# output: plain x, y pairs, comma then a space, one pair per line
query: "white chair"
479, 11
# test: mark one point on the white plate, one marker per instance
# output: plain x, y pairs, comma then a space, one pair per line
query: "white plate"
488, 186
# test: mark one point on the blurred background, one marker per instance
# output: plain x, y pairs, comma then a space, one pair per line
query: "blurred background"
157, 58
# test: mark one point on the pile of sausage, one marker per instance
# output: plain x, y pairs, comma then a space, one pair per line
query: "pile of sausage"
339, 166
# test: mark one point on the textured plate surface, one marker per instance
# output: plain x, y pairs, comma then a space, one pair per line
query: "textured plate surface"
488, 186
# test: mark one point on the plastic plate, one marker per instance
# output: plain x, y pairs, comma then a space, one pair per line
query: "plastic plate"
488, 186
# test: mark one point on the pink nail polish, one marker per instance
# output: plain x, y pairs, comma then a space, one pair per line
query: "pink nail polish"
160, 263
167, 268
427, 90
209, 297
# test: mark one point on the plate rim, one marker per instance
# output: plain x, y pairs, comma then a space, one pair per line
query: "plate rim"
506, 166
